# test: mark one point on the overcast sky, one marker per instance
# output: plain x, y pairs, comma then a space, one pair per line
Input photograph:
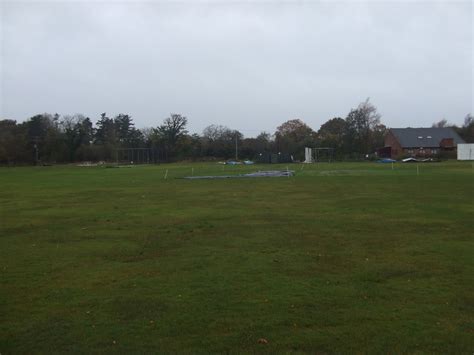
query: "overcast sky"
249, 65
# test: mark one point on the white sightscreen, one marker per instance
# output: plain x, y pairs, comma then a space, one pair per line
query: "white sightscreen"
308, 155
465, 151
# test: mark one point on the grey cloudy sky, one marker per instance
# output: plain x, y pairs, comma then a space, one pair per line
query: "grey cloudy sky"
250, 65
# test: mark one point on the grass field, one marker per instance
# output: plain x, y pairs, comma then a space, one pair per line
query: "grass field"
341, 258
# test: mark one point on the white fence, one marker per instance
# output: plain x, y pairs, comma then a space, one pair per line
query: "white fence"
465, 151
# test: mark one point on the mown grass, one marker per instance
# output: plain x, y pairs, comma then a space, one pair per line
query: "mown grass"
342, 257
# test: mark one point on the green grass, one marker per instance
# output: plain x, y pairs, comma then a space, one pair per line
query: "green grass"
341, 258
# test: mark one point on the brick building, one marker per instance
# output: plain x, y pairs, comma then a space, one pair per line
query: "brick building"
419, 142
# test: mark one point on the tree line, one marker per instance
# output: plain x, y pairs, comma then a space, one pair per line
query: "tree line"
51, 138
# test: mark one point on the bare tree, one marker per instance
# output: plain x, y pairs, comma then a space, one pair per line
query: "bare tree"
441, 124
360, 125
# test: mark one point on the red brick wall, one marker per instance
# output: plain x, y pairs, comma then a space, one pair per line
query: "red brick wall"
447, 143
391, 141
421, 152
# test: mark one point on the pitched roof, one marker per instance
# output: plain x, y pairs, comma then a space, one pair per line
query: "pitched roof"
424, 137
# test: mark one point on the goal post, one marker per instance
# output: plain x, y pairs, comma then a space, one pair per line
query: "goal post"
137, 155
316, 155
